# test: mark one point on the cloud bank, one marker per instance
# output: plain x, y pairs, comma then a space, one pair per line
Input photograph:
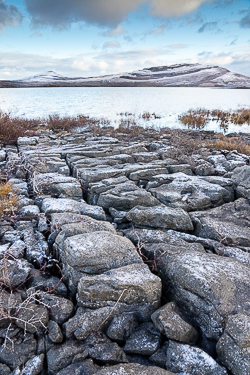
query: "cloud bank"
9, 15
61, 13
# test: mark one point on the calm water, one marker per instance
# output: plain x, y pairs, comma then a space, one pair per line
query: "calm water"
109, 102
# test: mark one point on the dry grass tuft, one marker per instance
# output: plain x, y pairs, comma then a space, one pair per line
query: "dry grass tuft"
13, 127
8, 201
233, 143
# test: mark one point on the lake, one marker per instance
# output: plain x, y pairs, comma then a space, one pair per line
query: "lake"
109, 102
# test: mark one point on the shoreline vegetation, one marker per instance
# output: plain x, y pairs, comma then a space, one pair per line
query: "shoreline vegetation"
13, 127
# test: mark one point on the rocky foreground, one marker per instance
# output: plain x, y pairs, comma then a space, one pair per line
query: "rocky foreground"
122, 260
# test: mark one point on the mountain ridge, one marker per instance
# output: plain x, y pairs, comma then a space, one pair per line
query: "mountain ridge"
177, 75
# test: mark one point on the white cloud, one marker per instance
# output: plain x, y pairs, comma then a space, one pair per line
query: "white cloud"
114, 32
111, 44
174, 8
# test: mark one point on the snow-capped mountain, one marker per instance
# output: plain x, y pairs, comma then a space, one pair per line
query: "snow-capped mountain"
190, 75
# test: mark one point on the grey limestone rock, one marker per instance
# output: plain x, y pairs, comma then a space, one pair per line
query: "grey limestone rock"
169, 322
121, 327
24, 348
47, 284
82, 368
131, 288
190, 192
9, 303
53, 205
34, 248
32, 318
2, 155
30, 211
85, 225
126, 196
96, 252
98, 173
133, 368
14, 272
145, 340
57, 186
61, 355
160, 217
92, 321
54, 332
185, 359
183, 168
228, 224
206, 287
33, 366
160, 356
103, 350
4, 370
241, 178
61, 309
233, 347
233, 252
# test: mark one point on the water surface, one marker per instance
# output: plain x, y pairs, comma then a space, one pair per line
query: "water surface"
109, 102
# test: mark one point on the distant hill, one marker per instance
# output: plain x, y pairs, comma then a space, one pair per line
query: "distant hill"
178, 75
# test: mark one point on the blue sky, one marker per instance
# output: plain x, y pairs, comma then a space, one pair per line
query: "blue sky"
94, 37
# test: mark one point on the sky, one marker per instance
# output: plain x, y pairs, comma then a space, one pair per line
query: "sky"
84, 38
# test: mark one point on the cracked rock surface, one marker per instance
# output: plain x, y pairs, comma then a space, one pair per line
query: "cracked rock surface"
123, 258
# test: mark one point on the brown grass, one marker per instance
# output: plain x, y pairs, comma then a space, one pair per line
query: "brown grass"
233, 143
8, 201
197, 119
13, 127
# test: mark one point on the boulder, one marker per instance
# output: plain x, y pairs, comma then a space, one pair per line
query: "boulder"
14, 272
121, 327
34, 366
145, 340
104, 351
53, 205
169, 322
22, 350
233, 347
54, 332
185, 359
190, 193
57, 186
206, 287
82, 368
85, 225
160, 217
92, 321
60, 309
133, 368
225, 224
61, 355
32, 318
126, 196
241, 179
132, 288
94, 253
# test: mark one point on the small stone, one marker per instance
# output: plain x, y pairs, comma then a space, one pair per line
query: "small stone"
121, 327
185, 359
168, 321
145, 340
55, 333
